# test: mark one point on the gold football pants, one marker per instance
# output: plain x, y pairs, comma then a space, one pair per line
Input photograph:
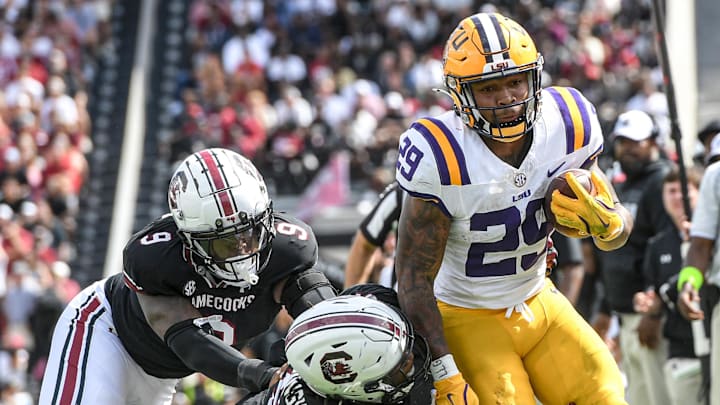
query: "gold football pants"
550, 352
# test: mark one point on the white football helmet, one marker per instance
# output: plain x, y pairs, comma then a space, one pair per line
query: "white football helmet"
220, 204
354, 348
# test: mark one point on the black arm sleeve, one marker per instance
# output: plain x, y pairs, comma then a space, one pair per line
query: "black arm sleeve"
203, 352
305, 289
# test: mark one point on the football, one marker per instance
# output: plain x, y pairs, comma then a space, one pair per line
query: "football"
560, 183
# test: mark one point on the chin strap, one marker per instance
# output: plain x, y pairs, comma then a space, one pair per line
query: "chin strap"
248, 277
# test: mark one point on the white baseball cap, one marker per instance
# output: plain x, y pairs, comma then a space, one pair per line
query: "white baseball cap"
635, 125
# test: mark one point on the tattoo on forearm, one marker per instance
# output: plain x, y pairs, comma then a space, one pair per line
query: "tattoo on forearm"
423, 233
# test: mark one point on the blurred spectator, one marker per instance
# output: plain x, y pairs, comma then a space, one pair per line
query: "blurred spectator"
257, 105
58, 108
707, 137
26, 84
14, 190
212, 23
48, 55
663, 260
293, 109
246, 47
64, 174
285, 67
395, 47
635, 148
57, 290
13, 373
713, 152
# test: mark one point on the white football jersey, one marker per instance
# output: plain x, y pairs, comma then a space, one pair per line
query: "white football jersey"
495, 254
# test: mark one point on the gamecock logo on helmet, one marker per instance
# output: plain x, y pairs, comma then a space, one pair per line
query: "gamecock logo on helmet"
336, 369
177, 184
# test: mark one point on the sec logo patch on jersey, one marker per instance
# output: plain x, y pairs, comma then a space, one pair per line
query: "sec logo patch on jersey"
189, 288
519, 179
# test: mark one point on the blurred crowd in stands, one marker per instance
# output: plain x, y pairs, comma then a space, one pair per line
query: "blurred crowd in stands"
48, 54
286, 83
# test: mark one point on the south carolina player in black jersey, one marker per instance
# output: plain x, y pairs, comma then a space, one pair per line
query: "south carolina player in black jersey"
357, 348
197, 283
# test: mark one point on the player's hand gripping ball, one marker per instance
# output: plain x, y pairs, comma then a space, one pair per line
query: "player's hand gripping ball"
590, 212
560, 183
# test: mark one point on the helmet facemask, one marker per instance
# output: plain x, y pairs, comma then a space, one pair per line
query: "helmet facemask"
235, 254
413, 365
460, 89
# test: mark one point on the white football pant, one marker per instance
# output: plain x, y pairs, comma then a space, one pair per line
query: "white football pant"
88, 364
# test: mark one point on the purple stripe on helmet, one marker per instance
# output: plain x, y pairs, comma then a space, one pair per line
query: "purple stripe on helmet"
501, 37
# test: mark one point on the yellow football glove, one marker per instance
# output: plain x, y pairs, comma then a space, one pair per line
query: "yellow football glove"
454, 391
593, 215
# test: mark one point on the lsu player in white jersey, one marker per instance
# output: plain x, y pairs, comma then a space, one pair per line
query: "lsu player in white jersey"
472, 235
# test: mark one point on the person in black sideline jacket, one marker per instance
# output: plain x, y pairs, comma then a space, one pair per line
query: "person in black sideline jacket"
663, 260
635, 147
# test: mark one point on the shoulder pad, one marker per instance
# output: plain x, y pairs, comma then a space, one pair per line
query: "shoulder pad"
429, 160
578, 115
294, 248
445, 150
150, 254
